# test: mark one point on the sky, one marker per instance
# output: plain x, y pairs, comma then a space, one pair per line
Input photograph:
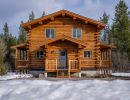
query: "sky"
15, 11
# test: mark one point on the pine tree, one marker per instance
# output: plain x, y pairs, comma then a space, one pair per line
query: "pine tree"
120, 28
105, 32
120, 32
6, 47
31, 16
22, 38
8, 40
43, 14
6, 29
2, 66
104, 18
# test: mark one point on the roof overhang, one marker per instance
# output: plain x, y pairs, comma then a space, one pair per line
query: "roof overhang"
20, 46
52, 16
106, 46
63, 38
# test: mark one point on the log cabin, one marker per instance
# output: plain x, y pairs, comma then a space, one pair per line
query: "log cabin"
64, 44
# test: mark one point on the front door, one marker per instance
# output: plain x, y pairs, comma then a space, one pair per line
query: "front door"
62, 59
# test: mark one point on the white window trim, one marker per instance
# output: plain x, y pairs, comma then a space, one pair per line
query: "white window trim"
54, 33
77, 37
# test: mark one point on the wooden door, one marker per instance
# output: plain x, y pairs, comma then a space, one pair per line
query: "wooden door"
62, 59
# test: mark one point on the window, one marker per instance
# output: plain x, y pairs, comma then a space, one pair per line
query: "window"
87, 54
77, 33
62, 53
50, 33
39, 54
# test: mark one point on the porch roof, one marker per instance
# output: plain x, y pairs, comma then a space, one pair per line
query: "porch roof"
106, 46
64, 37
20, 46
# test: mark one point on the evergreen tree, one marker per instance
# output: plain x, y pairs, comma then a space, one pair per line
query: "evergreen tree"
120, 32
6, 47
120, 28
2, 67
105, 32
8, 40
31, 16
104, 18
43, 14
6, 29
22, 35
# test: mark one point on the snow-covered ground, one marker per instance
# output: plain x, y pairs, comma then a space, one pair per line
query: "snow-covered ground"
121, 74
64, 90
9, 76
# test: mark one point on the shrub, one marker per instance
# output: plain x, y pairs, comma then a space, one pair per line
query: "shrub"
3, 70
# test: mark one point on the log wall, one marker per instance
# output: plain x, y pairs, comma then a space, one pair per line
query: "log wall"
65, 25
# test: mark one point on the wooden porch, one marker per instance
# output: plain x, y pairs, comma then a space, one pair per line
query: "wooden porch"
53, 66
72, 56
21, 56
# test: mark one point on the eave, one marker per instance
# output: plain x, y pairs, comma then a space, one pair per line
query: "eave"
63, 38
52, 16
20, 46
106, 46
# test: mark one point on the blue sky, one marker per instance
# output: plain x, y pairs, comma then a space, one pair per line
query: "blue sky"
13, 11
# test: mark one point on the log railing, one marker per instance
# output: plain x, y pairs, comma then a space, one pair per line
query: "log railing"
73, 64
105, 63
22, 63
51, 64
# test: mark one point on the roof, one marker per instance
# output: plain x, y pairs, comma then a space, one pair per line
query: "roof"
20, 46
106, 46
63, 13
64, 37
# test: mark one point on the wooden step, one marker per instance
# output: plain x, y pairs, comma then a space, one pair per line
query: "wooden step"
62, 73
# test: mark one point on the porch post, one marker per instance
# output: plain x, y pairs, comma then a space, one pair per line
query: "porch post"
79, 58
79, 74
46, 57
69, 69
45, 74
110, 57
16, 56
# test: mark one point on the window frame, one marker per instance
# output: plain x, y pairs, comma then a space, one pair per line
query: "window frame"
76, 33
39, 56
46, 33
89, 57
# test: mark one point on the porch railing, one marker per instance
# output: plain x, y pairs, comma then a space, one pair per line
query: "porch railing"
105, 63
22, 63
73, 64
52, 64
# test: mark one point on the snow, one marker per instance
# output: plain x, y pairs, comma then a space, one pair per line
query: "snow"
26, 89
121, 74
9, 76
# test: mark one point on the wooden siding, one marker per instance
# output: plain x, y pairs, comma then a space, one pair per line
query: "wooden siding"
64, 25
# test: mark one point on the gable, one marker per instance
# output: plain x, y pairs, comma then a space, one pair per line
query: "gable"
63, 37
62, 13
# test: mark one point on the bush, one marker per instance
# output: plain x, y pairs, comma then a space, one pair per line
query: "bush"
3, 70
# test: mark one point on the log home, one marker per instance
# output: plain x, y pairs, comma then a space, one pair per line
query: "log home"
63, 44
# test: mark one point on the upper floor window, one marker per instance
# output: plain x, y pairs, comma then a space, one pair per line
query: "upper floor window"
50, 33
87, 54
39, 54
77, 33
